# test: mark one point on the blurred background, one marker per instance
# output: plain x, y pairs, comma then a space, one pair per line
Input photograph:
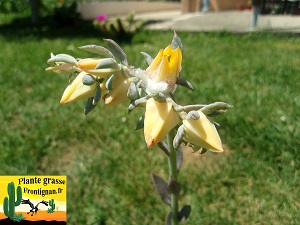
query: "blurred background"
256, 180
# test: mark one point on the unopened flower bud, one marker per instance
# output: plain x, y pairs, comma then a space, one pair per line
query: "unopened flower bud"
160, 118
77, 90
118, 92
202, 132
89, 65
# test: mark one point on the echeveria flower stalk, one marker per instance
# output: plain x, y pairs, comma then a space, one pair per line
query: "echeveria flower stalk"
153, 88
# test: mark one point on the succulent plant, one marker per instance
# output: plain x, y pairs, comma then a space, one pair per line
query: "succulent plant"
122, 29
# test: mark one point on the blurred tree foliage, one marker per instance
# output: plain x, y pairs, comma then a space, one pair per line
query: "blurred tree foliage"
23, 6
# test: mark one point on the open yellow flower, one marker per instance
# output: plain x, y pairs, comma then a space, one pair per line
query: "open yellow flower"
77, 90
202, 132
166, 66
160, 119
119, 90
89, 65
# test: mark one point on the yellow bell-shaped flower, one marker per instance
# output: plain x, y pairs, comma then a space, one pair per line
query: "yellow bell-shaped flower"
166, 66
77, 90
202, 132
160, 118
109, 66
118, 93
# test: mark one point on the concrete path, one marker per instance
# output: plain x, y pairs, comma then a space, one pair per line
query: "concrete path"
231, 21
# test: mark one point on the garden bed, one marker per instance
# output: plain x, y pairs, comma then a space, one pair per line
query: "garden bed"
93, 9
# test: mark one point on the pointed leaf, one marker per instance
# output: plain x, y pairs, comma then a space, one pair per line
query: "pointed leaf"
184, 213
178, 137
62, 58
109, 82
168, 218
117, 51
193, 115
161, 187
217, 113
184, 83
140, 123
98, 50
107, 63
132, 92
174, 186
97, 96
209, 109
147, 57
89, 106
179, 157
88, 80
163, 146
137, 102
203, 151
176, 42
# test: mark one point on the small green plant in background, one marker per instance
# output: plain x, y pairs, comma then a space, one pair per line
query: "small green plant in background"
122, 29
18, 217
52, 205
10, 202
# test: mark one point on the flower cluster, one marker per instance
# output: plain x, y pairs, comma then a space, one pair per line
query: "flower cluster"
111, 78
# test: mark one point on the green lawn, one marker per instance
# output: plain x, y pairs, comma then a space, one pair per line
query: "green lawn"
256, 181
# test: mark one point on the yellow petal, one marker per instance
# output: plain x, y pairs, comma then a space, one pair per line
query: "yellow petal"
77, 90
160, 118
155, 63
168, 50
166, 66
119, 90
202, 133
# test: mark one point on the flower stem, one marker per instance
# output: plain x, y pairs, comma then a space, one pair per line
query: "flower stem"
173, 172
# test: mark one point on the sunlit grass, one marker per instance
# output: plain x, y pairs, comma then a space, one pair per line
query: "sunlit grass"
107, 163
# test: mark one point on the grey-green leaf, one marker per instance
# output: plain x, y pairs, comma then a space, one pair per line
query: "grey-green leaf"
179, 157
133, 92
162, 189
140, 123
97, 96
193, 115
88, 80
147, 57
98, 50
184, 213
89, 106
178, 137
117, 51
182, 82
216, 106
174, 186
107, 63
168, 218
109, 82
63, 58
176, 42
